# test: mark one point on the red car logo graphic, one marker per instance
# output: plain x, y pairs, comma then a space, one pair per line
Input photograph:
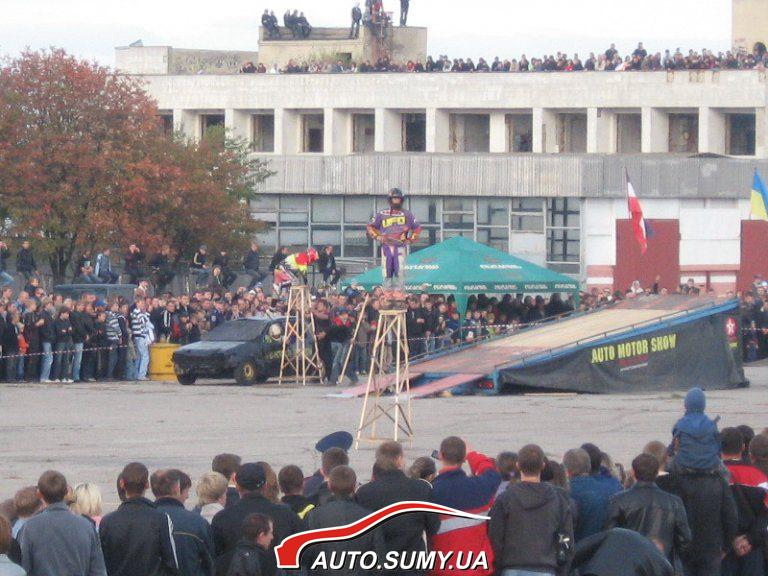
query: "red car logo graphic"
290, 549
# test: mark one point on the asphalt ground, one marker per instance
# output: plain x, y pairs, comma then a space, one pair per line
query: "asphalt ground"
89, 431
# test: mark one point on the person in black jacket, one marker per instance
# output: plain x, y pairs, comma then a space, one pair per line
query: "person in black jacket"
327, 266
647, 509
529, 518
47, 340
32, 324
341, 510
25, 261
227, 525
415, 322
63, 350
82, 327
162, 271
133, 259
251, 263
227, 275
712, 516
404, 533
357, 16
5, 278
10, 342
251, 553
191, 532
136, 539
278, 258
619, 552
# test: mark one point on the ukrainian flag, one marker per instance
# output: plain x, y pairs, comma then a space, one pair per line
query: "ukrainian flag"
759, 199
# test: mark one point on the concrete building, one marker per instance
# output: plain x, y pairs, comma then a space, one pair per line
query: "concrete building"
532, 163
750, 24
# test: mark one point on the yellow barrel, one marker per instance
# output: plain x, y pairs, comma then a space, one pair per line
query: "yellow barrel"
161, 361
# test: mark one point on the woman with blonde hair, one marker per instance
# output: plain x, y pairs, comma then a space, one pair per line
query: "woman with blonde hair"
211, 491
87, 502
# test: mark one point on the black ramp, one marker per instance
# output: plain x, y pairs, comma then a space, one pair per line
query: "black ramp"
703, 350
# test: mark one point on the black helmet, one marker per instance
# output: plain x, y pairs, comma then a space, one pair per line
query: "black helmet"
396, 194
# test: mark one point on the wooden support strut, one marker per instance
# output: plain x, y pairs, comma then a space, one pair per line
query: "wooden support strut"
397, 405
298, 355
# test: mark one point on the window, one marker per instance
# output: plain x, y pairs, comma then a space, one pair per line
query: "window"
166, 124
495, 237
312, 130
294, 211
628, 133
357, 244
520, 132
415, 132
212, 125
493, 212
683, 133
293, 238
325, 209
572, 132
263, 138
564, 235
358, 209
425, 209
323, 236
459, 214
741, 134
363, 133
470, 132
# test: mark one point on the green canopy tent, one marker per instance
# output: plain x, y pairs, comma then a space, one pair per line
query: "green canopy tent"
463, 267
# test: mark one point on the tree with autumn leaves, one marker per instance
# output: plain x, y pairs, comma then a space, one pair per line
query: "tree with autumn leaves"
85, 164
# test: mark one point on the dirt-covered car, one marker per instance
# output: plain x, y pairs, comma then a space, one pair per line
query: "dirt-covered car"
248, 350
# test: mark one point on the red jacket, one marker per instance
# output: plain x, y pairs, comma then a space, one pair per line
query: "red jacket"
452, 487
746, 474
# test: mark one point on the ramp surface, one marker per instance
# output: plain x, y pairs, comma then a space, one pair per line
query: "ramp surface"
487, 356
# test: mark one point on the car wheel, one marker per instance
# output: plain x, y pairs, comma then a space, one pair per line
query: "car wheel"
186, 379
247, 374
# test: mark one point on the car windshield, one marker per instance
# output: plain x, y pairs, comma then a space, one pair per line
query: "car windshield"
236, 331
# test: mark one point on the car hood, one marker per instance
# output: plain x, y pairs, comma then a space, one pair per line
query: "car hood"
204, 348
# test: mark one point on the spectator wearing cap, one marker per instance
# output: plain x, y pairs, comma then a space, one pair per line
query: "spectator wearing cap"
55, 541
227, 525
389, 486
191, 532
137, 538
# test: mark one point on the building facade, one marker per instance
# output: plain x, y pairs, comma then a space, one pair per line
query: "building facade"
532, 163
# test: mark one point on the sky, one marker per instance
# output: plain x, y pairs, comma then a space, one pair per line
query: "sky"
507, 28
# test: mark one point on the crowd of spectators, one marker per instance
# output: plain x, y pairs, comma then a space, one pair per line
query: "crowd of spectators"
49, 337
46, 336
640, 60
693, 503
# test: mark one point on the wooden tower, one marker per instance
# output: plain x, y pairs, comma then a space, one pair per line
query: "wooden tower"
395, 406
300, 353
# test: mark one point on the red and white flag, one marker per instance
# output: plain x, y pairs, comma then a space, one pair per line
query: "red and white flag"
636, 214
